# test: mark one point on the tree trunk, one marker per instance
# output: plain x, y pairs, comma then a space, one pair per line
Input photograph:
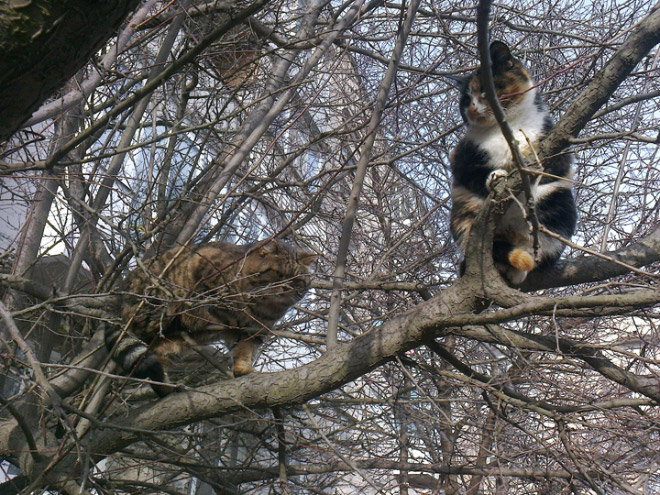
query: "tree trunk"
43, 44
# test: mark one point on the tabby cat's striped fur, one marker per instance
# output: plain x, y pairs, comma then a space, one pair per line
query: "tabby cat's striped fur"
205, 293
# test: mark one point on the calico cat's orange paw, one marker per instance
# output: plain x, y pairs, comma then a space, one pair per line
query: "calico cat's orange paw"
521, 260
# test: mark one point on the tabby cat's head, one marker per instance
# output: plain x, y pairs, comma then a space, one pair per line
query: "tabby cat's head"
278, 275
512, 84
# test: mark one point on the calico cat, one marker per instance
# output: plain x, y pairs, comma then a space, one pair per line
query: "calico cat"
484, 154
238, 290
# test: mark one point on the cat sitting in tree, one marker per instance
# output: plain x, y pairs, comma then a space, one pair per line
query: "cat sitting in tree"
483, 154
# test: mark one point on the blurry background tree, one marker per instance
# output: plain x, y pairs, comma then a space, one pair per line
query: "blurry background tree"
246, 120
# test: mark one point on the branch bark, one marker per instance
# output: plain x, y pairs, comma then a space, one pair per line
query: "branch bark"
589, 268
348, 361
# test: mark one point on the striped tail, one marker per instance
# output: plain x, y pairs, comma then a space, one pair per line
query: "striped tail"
135, 359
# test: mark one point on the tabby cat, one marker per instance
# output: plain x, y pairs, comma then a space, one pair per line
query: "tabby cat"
202, 294
483, 154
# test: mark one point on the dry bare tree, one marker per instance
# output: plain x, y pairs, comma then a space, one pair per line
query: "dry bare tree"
329, 124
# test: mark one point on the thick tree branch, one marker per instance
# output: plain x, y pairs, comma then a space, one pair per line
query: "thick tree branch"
261, 473
95, 305
648, 386
351, 360
589, 268
640, 41
347, 362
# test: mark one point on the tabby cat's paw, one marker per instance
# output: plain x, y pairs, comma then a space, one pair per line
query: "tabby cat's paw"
494, 177
242, 368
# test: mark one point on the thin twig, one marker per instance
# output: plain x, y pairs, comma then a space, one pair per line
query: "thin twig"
342, 457
34, 363
281, 450
356, 190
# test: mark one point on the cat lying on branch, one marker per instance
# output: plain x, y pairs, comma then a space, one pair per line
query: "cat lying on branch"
201, 294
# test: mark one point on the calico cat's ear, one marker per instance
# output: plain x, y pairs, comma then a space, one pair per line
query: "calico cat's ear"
501, 56
457, 81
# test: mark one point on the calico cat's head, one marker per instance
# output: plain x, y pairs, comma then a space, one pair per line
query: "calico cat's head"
512, 84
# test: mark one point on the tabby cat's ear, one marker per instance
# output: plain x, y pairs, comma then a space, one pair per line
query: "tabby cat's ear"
501, 56
306, 258
268, 248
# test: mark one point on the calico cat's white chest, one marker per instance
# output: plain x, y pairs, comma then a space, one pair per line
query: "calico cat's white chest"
527, 128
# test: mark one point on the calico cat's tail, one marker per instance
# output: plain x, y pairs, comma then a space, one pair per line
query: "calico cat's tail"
135, 359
